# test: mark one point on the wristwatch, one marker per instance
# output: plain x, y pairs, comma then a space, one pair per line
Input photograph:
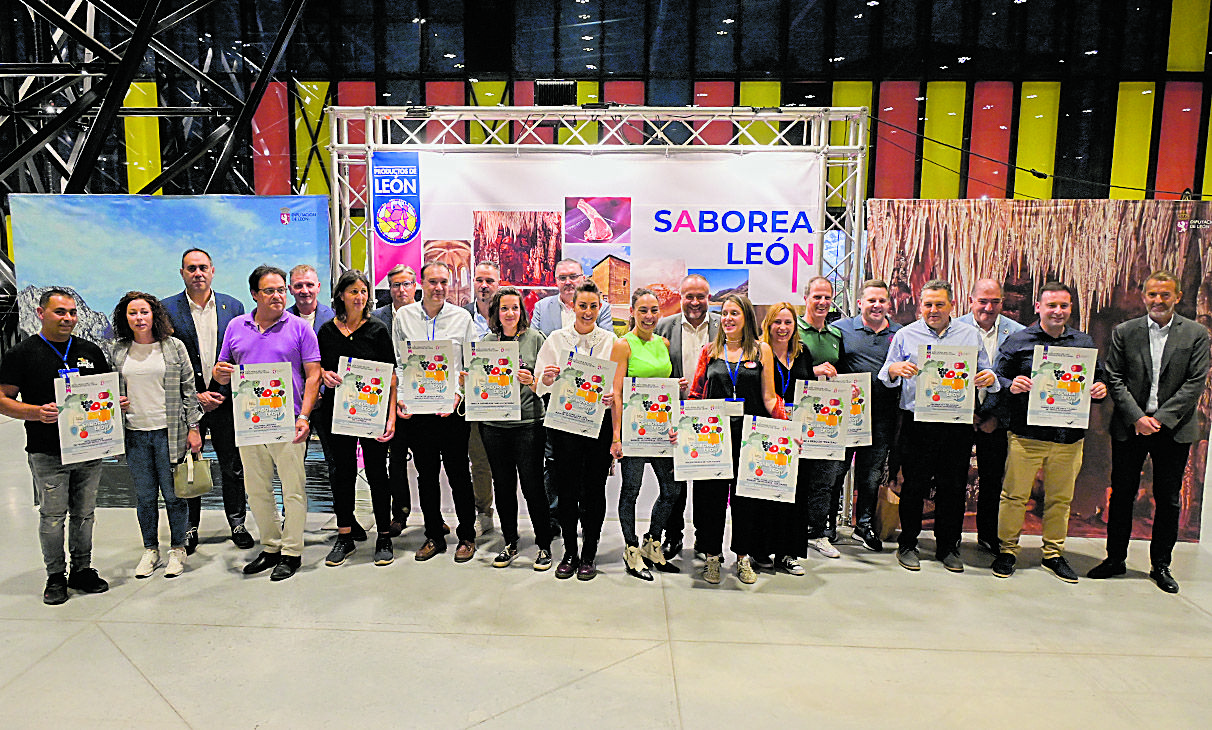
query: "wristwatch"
304, 416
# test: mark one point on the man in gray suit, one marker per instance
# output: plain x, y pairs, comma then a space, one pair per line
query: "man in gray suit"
687, 333
554, 312
1157, 367
985, 313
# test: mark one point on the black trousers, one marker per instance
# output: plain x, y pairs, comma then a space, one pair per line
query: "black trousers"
221, 426
712, 498
344, 478
439, 442
991, 450
516, 454
675, 526
579, 470
1169, 461
934, 457
397, 472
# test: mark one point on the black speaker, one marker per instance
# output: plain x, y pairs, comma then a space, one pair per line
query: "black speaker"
555, 92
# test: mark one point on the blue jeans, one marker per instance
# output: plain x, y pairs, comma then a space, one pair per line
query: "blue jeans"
63, 490
152, 470
633, 476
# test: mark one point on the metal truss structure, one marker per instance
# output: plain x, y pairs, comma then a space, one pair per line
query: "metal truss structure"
837, 135
60, 107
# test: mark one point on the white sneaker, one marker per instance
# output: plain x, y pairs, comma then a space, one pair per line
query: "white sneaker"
176, 562
148, 563
744, 570
711, 571
484, 523
824, 547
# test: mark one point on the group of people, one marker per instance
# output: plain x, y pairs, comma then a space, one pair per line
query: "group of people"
177, 358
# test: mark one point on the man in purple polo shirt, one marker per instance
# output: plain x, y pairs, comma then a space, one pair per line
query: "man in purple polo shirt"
270, 334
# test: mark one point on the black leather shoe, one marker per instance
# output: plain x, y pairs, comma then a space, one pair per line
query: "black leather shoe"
86, 580
56, 590
357, 532
993, 547
286, 567
262, 563
672, 547
568, 566
241, 538
1161, 576
1107, 569
191, 541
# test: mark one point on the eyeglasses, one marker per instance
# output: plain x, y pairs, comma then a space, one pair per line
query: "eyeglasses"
569, 277
402, 284
269, 292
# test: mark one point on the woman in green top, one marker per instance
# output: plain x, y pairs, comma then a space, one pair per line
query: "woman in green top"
515, 448
642, 354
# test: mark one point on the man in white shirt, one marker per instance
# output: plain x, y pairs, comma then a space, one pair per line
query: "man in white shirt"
438, 440
687, 332
485, 285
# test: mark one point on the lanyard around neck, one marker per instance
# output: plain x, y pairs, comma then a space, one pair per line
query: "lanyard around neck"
62, 355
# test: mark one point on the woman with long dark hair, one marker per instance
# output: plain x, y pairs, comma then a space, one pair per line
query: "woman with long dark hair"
354, 333
161, 415
515, 448
738, 367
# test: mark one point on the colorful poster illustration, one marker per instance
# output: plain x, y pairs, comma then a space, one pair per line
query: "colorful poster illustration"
430, 379
648, 405
395, 180
704, 448
90, 421
820, 408
576, 396
858, 419
1061, 378
264, 403
493, 390
769, 462
363, 398
945, 390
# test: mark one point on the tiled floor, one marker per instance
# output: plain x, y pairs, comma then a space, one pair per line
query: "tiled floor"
858, 642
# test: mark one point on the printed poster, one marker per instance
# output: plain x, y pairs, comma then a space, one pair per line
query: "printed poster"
820, 408
264, 403
945, 391
576, 396
704, 448
769, 461
648, 405
1061, 378
90, 421
429, 383
493, 390
858, 418
363, 398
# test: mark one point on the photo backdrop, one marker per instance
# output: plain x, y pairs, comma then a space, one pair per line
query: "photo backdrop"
103, 246
1104, 249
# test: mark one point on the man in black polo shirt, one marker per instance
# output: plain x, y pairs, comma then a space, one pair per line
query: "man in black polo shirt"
865, 340
30, 369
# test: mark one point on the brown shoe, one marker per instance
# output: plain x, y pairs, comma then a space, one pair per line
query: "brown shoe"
430, 549
445, 529
465, 551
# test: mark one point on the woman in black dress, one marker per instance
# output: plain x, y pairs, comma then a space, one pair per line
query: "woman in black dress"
354, 333
738, 367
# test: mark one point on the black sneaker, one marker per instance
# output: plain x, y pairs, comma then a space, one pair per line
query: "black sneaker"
241, 538
542, 561
1003, 565
869, 539
55, 592
86, 580
191, 540
672, 547
1060, 568
341, 549
384, 554
506, 556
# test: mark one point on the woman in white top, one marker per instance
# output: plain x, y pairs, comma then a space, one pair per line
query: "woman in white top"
162, 415
580, 464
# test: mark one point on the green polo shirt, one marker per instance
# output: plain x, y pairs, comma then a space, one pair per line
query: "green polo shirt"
824, 344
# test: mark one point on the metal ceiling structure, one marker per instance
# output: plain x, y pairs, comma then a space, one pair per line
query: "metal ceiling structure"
837, 135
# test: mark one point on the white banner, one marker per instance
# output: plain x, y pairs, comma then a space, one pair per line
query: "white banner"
749, 223
90, 422
264, 403
363, 398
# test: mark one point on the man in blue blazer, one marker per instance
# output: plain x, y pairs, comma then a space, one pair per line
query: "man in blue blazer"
548, 315
200, 317
985, 313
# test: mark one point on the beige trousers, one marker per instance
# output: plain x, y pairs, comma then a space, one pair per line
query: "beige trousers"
259, 462
1060, 464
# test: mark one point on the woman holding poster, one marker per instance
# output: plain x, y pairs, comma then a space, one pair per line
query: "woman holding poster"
162, 415
641, 354
580, 464
792, 364
740, 369
515, 448
353, 333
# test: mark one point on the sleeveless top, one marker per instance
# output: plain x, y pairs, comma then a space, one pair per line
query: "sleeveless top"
648, 359
785, 380
748, 383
